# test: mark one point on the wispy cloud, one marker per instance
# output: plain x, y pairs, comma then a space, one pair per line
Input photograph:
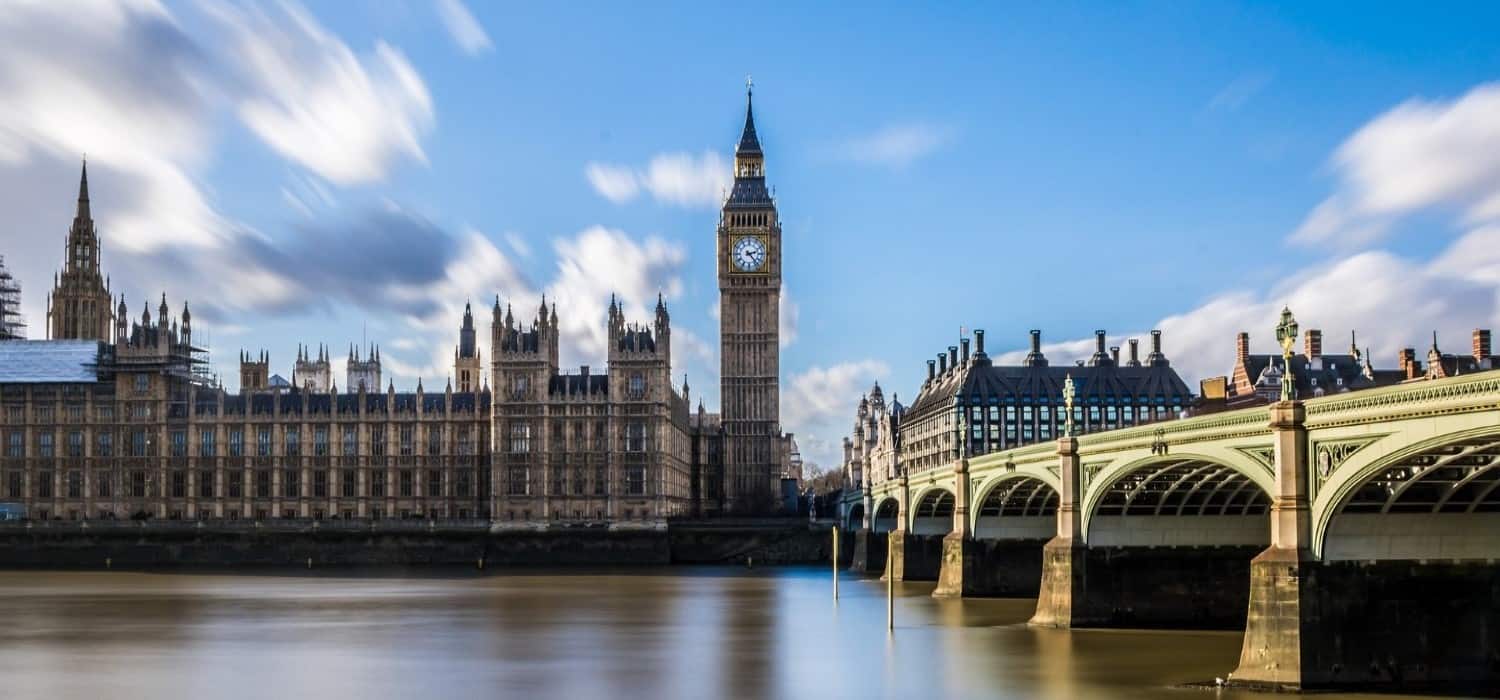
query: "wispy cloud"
463, 28
681, 179
1239, 91
1423, 154
818, 403
897, 145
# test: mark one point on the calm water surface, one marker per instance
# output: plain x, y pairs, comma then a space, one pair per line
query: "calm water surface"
667, 633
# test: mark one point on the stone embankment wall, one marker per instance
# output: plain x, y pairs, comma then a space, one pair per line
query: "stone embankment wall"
57, 545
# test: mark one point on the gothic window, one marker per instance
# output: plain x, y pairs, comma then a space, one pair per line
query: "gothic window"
178, 440
377, 440
236, 486
290, 487
635, 480
44, 484
516, 478
262, 483
406, 434
137, 484
320, 441
520, 386
520, 437
75, 484
101, 484
408, 483
349, 483
44, 444
293, 440
320, 483
206, 447
351, 440
636, 388
236, 442
434, 483
434, 440
75, 443
142, 383
205, 484
179, 484
263, 441
15, 444
464, 484
635, 437
13, 485
377, 484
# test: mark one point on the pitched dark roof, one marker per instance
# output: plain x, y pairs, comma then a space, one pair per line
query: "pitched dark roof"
749, 142
49, 361
574, 384
1044, 384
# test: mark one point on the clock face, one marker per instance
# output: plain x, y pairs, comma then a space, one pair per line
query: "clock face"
749, 254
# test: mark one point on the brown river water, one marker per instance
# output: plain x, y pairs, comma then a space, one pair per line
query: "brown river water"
648, 633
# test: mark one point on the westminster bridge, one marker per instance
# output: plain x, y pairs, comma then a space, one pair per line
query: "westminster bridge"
1354, 536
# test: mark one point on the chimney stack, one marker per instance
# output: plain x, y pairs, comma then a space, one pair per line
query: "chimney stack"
1036, 341
1242, 348
942, 363
1409, 365
1313, 344
931, 370
1099, 342
963, 345
1135, 353
1481, 344
978, 341
1114, 355
953, 356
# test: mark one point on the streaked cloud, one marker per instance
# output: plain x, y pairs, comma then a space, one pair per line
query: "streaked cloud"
1420, 155
466, 31
897, 145
819, 403
681, 179
1239, 91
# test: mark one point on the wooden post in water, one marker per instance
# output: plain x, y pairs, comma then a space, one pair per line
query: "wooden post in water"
835, 562
890, 590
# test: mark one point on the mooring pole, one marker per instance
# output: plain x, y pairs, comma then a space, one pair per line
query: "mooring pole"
835, 562
890, 590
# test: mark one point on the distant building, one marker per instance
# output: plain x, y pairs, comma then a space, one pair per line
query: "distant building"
12, 325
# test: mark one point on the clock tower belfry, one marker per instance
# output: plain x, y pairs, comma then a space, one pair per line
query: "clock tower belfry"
749, 254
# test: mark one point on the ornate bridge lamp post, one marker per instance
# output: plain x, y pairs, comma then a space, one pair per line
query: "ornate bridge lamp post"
1069, 393
1286, 334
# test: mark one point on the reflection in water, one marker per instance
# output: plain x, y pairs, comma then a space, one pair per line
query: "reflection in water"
649, 633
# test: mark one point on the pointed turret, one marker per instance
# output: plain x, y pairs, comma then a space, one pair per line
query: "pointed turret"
749, 141
83, 213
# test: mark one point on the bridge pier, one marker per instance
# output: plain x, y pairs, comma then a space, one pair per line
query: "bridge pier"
1062, 557
869, 552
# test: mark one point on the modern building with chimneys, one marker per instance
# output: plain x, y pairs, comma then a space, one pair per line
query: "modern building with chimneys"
969, 403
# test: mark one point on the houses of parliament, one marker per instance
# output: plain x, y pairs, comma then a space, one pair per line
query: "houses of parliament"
118, 416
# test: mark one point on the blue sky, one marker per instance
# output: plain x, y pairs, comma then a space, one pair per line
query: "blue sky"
331, 171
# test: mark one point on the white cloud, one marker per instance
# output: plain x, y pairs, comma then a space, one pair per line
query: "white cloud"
309, 97
599, 262
1421, 154
897, 145
1239, 91
616, 183
817, 404
463, 28
518, 244
1391, 301
787, 315
681, 179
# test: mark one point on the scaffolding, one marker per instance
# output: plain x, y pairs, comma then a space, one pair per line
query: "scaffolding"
12, 324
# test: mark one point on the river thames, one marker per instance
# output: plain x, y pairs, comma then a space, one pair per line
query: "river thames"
650, 633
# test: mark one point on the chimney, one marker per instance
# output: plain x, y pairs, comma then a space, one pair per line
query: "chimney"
1409, 365
953, 356
978, 341
931, 370
1099, 342
1156, 359
1036, 341
1313, 344
1242, 348
583, 370
1481, 344
1135, 353
1035, 357
942, 363
963, 346
1114, 355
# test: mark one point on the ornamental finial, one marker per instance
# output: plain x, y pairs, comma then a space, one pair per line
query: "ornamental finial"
1286, 335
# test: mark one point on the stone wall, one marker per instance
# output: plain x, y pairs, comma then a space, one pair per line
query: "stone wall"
397, 543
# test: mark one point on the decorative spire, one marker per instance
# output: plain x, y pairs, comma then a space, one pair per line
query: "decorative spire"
749, 142
83, 192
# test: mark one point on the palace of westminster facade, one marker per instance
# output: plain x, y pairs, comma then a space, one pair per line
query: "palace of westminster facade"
117, 417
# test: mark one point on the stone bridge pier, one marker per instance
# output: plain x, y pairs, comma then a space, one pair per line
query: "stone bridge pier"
995, 546
1164, 542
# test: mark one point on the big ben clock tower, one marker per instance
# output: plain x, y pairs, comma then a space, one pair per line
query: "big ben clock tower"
749, 254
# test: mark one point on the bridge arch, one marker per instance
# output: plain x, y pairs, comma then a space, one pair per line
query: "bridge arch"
1438, 498
932, 512
887, 513
855, 517
1145, 502
1016, 506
